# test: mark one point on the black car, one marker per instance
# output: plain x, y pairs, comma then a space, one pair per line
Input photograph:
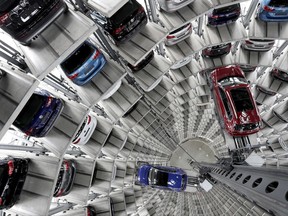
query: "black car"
224, 15
13, 173
217, 51
65, 178
143, 63
25, 19
124, 23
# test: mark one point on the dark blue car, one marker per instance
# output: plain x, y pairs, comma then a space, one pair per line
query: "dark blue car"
161, 177
39, 114
84, 63
273, 10
224, 15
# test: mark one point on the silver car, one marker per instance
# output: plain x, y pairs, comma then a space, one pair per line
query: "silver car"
178, 35
173, 5
258, 44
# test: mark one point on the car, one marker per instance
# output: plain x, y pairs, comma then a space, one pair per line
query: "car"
143, 63
181, 63
247, 68
273, 10
224, 15
162, 177
85, 131
257, 45
266, 90
236, 108
39, 114
124, 23
65, 178
279, 74
24, 20
178, 35
90, 211
83, 63
13, 175
217, 51
172, 5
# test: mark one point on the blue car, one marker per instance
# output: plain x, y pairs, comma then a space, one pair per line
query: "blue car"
224, 15
39, 114
161, 177
84, 63
273, 10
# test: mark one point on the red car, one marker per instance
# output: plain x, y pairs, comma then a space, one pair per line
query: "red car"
235, 105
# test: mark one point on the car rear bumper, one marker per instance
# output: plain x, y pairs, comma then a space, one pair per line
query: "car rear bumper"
83, 79
28, 34
267, 18
173, 41
218, 22
129, 35
56, 112
256, 48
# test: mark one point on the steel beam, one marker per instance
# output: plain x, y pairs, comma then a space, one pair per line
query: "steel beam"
250, 12
266, 187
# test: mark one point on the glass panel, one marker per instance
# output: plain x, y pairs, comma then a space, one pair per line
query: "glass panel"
124, 12
77, 59
241, 99
225, 102
7, 5
158, 178
29, 111
278, 3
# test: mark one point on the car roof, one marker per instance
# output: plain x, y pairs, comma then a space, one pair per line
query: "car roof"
107, 7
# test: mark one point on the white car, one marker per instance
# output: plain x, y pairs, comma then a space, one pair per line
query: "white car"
173, 5
85, 131
257, 44
181, 62
179, 34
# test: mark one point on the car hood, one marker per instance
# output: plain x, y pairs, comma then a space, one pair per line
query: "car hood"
248, 117
143, 173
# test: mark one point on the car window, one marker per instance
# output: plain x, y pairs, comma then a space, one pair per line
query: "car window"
226, 9
225, 102
124, 12
29, 111
278, 3
156, 177
77, 59
228, 81
241, 99
7, 5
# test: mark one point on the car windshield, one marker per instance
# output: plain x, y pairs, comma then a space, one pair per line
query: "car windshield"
241, 99
261, 40
129, 8
29, 111
157, 177
7, 5
226, 9
278, 3
77, 59
80, 130
227, 81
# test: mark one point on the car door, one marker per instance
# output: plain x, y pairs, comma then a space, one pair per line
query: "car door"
227, 117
